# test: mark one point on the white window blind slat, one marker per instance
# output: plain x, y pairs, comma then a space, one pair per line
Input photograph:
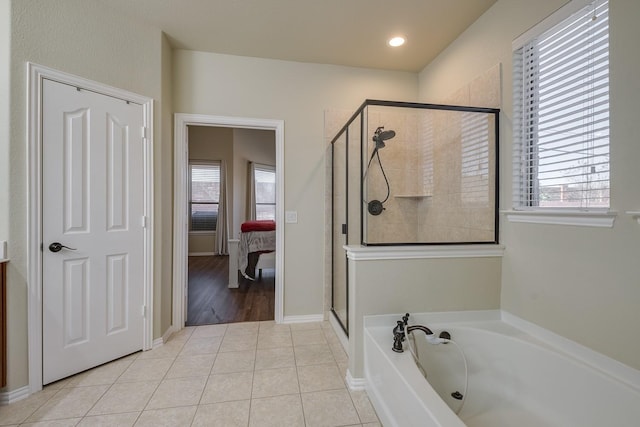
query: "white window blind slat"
561, 113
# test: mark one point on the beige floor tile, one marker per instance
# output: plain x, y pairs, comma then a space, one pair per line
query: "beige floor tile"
272, 326
308, 337
320, 377
235, 361
183, 334
69, 403
58, 384
228, 387
105, 374
169, 417
275, 382
146, 370
306, 326
169, 350
269, 358
372, 425
19, 411
329, 409
67, 422
277, 411
239, 342
363, 406
338, 352
195, 346
110, 420
225, 414
125, 397
315, 354
191, 366
243, 328
275, 339
177, 392
207, 331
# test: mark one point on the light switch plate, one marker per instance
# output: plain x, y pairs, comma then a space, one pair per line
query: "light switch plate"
3, 249
291, 217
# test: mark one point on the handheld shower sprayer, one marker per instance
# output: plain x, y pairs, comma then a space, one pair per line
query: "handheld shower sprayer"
375, 207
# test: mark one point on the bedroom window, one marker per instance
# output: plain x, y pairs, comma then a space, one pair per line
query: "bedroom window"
265, 191
204, 196
561, 111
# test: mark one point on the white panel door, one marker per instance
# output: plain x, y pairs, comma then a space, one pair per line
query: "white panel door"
92, 228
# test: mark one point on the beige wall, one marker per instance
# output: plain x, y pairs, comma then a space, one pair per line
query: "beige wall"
5, 54
164, 198
579, 282
84, 38
297, 93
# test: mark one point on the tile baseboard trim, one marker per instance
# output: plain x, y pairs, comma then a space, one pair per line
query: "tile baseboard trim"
12, 396
304, 319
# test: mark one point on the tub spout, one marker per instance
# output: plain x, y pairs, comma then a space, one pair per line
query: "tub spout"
399, 334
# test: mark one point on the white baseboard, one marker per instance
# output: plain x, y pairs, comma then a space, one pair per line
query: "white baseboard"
303, 319
12, 396
356, 383
201, 253
164, 338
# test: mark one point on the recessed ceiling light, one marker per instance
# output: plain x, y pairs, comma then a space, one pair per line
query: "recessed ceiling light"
396, 41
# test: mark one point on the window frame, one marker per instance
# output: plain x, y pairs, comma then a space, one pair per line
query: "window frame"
521, 212
190, 201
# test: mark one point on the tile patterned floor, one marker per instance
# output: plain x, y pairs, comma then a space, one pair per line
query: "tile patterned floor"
255, 374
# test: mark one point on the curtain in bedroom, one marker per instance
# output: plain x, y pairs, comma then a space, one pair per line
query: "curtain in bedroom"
222, 232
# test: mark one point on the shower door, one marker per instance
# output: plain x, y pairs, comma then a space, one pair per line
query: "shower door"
339, 295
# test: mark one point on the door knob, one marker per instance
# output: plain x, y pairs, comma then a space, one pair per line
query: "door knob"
57, 247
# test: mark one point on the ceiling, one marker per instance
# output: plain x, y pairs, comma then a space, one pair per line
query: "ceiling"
341, 32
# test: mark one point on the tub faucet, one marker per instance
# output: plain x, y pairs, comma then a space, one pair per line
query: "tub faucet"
399, 332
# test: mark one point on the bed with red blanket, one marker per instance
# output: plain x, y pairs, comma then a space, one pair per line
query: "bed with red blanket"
256, 238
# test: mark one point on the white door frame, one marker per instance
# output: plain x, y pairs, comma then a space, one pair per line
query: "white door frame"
181, 194
35, 75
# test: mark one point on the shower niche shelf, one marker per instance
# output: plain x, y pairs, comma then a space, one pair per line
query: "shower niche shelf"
412, 196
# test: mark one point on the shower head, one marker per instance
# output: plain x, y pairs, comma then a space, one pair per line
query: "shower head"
380, 136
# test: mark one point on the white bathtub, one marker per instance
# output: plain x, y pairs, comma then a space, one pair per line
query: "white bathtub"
518, 375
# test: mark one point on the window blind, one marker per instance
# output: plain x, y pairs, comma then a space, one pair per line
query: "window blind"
561, 114
204, 196
265, 190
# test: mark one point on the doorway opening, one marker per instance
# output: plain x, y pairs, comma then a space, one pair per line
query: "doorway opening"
232, 181
184, 125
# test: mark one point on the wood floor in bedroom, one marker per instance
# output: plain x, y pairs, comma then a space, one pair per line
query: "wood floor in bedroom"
211, 301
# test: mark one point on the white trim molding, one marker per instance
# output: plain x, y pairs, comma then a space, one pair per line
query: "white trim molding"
180, 197
577, 218
355, 384
13, 396
376, 253
303, 319
35, 76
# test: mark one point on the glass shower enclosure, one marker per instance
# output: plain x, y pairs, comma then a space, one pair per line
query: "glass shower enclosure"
411, 174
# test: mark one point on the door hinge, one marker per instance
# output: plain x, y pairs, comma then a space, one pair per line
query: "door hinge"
145, 132
144, 221
344, 228
144, 311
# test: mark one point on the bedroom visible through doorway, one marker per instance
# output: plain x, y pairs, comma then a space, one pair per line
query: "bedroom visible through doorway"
231, 180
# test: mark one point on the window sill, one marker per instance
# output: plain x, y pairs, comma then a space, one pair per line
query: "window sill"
584, 219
